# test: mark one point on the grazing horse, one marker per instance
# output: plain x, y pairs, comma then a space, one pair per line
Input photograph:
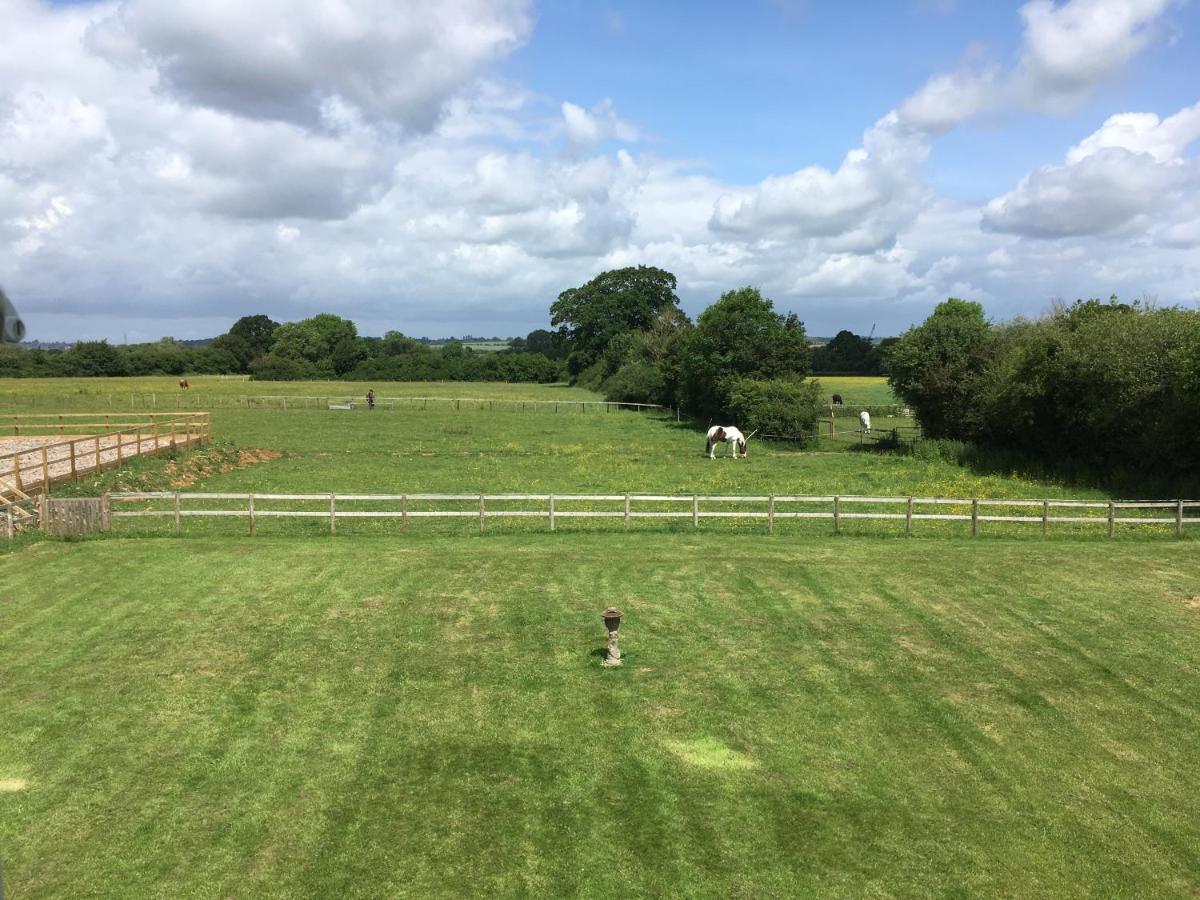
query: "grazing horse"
730, 435
864, 420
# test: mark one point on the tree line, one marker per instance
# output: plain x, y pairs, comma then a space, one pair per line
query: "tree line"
1097, 390
741, 361
322, 347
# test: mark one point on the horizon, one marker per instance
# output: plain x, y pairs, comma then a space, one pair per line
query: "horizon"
452, 167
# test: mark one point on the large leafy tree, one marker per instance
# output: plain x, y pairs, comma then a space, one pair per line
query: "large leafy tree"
313, 339
741, 336
248, 339
592, 316
257, 331
847, 352
935, 368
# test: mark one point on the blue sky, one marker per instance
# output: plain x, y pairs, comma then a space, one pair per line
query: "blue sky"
449, 167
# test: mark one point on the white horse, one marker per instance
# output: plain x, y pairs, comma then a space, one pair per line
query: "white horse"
864, 420
730, 435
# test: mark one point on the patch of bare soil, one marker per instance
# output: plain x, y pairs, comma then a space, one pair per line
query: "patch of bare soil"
212, 461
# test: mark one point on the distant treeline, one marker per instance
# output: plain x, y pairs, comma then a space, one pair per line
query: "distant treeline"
323, 347
1102, 391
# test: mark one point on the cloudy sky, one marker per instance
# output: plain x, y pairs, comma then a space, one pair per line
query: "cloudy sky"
448, 166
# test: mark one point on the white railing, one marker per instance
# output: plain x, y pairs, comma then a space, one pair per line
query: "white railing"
837, 508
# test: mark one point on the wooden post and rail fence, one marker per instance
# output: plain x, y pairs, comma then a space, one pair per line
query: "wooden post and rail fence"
91, 443
1177, 515
198, 400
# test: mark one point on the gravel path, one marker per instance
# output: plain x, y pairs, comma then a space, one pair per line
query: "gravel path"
28, 450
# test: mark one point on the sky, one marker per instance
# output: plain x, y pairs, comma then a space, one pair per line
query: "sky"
447, 167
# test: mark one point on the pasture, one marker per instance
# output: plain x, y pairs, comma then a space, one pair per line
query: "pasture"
377, 713
427, 718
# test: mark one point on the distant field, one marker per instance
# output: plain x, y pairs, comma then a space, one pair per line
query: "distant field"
125, 393
427, 717
865, 390
122, 392
487, 346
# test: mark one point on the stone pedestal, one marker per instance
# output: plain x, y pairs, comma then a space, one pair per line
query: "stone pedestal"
613, 658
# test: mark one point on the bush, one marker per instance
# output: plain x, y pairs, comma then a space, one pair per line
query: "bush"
779, 407
281, 368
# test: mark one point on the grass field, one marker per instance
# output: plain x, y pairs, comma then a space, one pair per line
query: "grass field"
369, 718
93, 393
126, 393
377, 714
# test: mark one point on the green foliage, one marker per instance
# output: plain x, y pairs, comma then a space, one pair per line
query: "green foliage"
1100, 390
778, 407
935, 367
850, 353
274, 367
740, 335
547, 343
313, 339
613, 303
92, 358
257, 331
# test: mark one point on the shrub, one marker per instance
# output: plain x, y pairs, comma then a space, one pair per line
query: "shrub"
780, 407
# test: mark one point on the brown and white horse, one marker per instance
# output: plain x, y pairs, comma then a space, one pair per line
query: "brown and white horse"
731, 436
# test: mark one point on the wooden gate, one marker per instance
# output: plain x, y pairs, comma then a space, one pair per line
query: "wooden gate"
75, 515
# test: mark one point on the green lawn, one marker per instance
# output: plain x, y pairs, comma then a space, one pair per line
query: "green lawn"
371, 717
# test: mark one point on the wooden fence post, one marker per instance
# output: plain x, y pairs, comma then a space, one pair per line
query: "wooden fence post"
626, 512
1045, 516
551, 512
177, 510
332, 514
45, 470
974, 518
908, 517
9, 530
1110, 518
74, 471
837, 510
250, 512
771, 515
1178, 518
482, 514
43, 512
120, 448
695, 511
105, 511
404, 513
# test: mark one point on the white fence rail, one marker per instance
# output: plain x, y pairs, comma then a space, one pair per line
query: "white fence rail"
340, 506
